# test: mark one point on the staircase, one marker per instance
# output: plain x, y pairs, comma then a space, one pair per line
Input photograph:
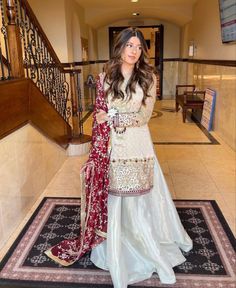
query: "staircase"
30, 67
40, 113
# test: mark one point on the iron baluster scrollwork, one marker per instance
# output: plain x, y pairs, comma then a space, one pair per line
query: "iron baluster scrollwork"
23, 26
80, 110
16, 11
80, 106
4, 62
40, 65
39, 59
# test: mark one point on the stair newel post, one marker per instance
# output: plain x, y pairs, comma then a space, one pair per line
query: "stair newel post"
74, 101
14, 42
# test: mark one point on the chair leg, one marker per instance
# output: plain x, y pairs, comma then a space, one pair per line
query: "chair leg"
184, 114
176, 106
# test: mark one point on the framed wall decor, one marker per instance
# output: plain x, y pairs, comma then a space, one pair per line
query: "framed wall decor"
208, 109
228, 20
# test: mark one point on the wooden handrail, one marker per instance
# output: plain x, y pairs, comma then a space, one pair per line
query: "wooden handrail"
219, 62
71, 70
84, 63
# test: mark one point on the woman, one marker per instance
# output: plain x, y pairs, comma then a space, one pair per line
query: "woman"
144, 231
129, 219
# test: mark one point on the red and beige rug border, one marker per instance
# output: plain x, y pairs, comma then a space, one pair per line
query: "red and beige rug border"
12, 270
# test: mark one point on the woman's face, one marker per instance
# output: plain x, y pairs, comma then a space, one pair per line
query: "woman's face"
132, 51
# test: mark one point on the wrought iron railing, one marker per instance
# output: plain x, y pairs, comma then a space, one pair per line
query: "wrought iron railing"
28, 53
4, 54
41, 63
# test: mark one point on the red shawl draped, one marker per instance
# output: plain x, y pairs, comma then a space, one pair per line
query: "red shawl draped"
94, 176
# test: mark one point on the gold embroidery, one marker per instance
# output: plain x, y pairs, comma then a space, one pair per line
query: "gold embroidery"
131, 177
101, 233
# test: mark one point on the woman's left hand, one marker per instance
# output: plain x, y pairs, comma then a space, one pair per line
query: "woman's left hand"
102, 117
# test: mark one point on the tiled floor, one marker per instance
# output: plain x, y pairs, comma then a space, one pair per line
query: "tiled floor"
192, 171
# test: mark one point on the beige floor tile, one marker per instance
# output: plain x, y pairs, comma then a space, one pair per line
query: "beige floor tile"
170, 186
231, 222
191, 192
188, 168
230, 200
64, 181
215, 152
181, 152
225, 184
164, 167
222, 173
176, 131
218, 197
229, 217
64, 193
160, 152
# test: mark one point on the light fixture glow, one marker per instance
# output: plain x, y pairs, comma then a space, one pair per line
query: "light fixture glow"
134, 1
135, 14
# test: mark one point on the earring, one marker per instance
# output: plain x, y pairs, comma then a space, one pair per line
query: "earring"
137, 65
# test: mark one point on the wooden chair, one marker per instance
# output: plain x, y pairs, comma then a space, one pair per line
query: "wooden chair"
188, 99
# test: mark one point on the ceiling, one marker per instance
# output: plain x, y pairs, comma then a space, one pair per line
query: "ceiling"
103, 12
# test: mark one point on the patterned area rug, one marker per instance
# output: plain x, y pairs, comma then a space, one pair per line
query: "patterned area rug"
210, 264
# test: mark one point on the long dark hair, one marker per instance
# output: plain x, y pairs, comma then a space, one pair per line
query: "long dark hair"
142, 72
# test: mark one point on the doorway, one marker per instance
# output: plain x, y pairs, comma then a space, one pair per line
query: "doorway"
154, 36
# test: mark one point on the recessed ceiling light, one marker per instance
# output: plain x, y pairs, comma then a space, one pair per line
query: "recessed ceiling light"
134, 1
135, 14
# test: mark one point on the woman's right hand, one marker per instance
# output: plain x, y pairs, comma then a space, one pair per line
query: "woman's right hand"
102, 117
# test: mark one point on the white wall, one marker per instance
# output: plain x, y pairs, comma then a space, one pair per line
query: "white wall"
103, 43
171, 38
64, 23
51, 16
93, 49
204, 30
28, 163
75, 29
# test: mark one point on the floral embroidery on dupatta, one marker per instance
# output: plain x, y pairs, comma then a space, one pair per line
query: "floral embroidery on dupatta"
95, 181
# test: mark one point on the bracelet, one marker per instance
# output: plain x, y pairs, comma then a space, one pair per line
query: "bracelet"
120, 130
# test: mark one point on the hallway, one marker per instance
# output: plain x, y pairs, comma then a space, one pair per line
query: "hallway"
192, 171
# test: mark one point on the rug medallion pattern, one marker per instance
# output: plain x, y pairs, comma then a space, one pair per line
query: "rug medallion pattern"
209, 264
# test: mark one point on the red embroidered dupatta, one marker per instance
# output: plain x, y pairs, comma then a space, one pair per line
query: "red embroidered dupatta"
94, 176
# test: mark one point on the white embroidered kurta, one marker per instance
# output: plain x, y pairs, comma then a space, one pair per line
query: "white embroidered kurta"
132, 155
144, 230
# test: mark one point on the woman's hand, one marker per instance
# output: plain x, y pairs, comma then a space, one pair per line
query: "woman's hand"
102, 117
